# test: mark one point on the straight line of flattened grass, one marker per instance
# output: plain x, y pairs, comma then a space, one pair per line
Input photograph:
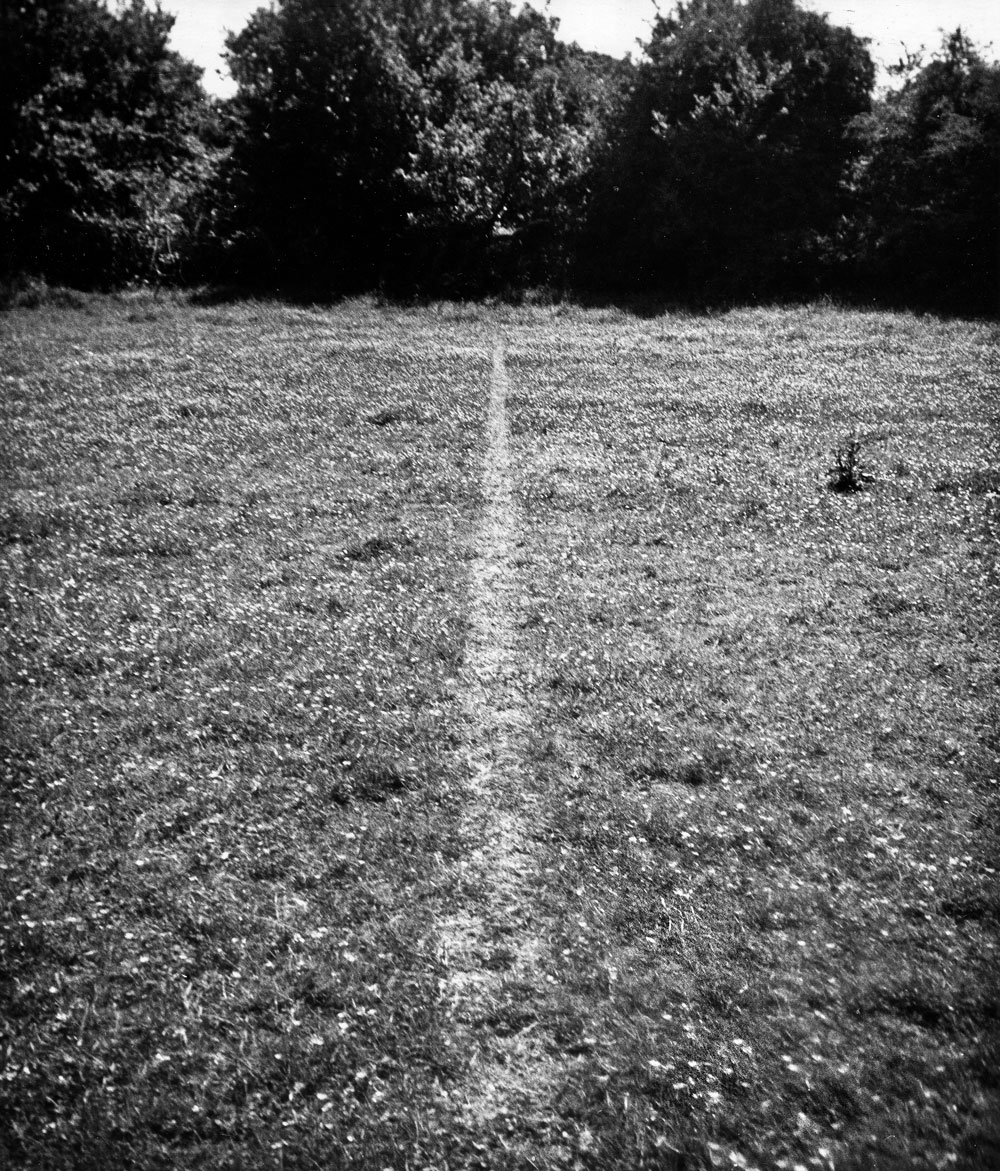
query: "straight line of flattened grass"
229, 760
768, 745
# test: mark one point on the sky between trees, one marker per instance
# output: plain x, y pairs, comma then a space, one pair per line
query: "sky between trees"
613, 26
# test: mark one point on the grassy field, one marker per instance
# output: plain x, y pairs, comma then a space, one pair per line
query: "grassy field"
761, 757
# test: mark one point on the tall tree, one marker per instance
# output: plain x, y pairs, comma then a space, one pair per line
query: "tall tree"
506, 155
928, 184
374, 134
725, 169
101, 128
324, 114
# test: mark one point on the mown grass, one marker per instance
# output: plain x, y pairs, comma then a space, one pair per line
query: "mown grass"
766, 732
235, 549
233, 540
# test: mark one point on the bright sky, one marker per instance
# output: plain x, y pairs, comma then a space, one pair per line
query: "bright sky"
613, 26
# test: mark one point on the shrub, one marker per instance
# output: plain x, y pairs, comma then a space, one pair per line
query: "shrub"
847, 474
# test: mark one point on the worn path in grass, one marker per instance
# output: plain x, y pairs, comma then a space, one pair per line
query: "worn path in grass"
491, 945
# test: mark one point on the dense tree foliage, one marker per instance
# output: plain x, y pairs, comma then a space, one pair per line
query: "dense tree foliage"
725, 172
102, 132
377, 140
459, 145
323, 116
928, 184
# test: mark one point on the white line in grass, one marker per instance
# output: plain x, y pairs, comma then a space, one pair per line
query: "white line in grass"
492, 935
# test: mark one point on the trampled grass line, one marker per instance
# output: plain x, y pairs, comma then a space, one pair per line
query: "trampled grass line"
490, 944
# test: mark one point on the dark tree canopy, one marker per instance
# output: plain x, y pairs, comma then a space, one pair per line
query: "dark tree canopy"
726, 168
376, 138
459, 146
323, 114
101, 128
928, 184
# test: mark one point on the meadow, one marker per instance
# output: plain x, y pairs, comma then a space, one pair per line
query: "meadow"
760, 750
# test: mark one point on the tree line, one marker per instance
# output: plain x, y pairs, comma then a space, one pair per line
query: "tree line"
459, 146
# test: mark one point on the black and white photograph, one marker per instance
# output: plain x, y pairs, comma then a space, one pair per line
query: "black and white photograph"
499, 585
